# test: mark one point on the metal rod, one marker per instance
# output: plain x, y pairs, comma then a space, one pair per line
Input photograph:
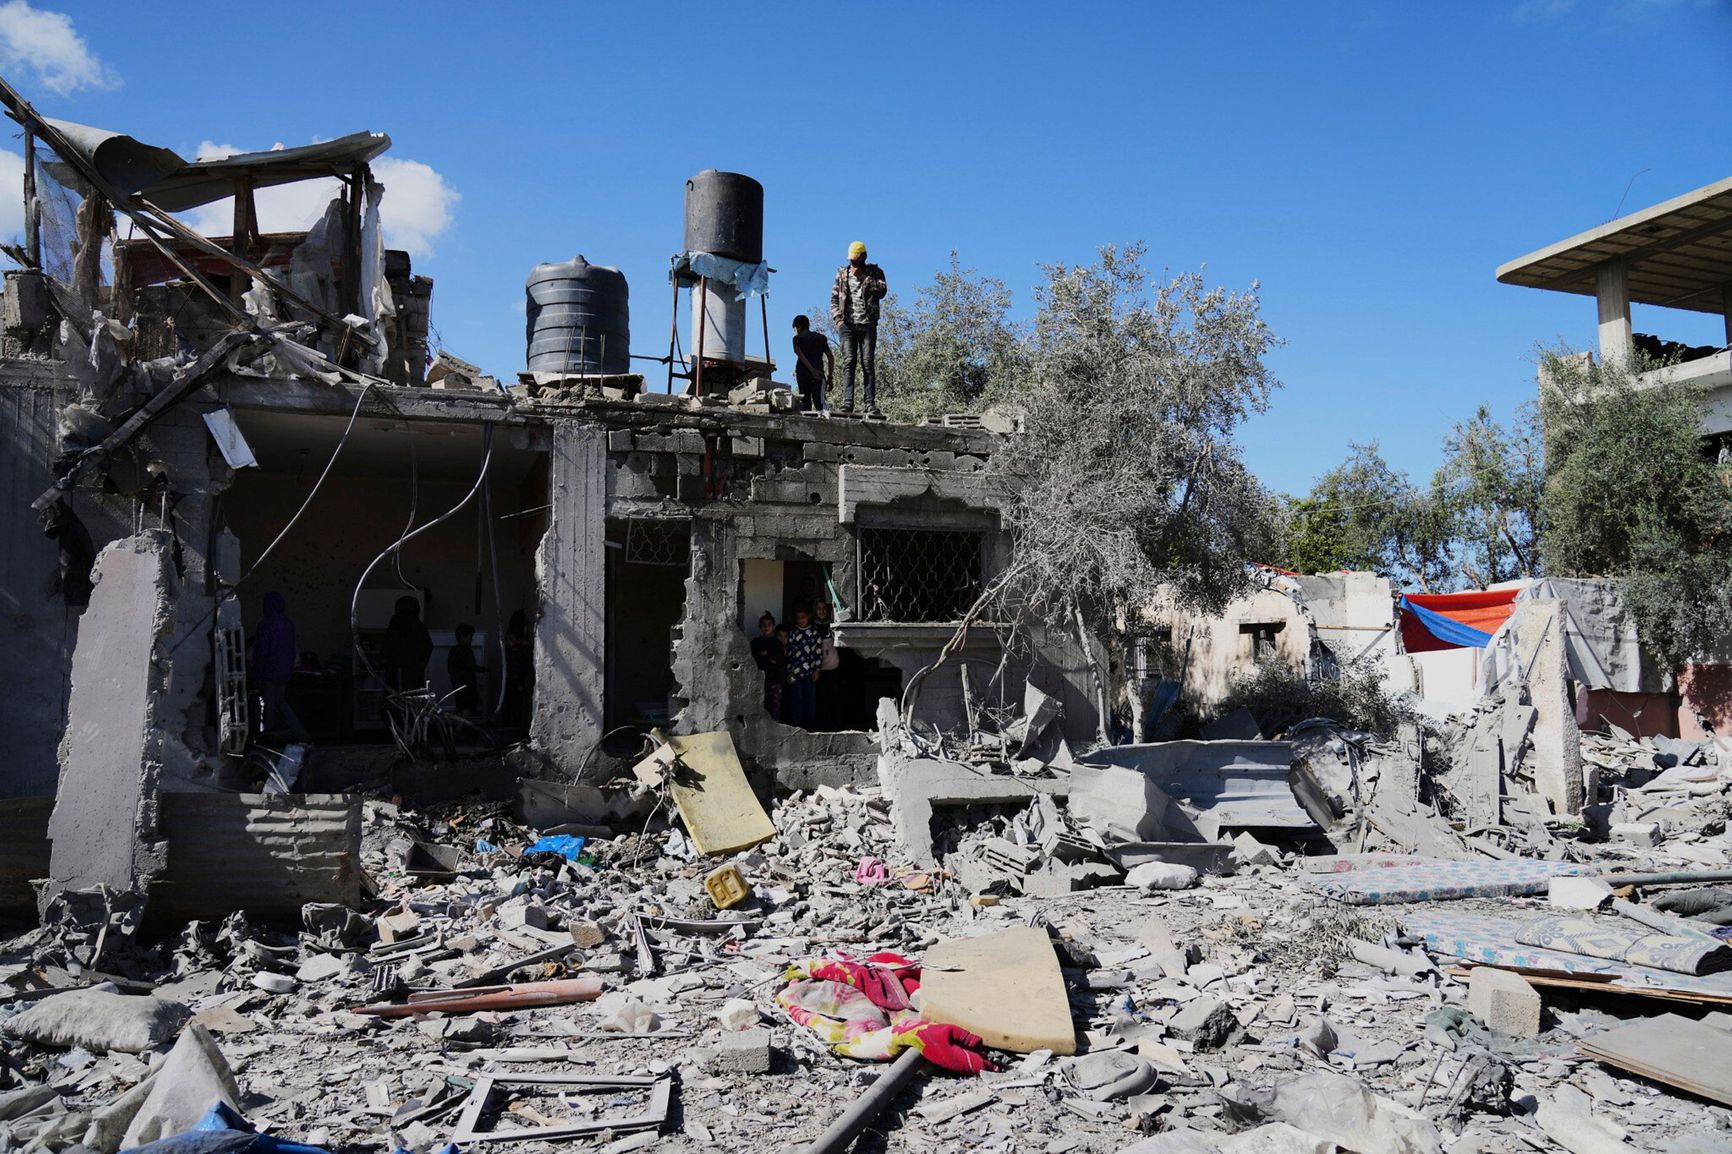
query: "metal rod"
869, 1105
673, 333
32, 218
764, 310
703, 327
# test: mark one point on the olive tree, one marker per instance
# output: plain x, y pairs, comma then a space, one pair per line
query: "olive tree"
1632, 493
1128, 481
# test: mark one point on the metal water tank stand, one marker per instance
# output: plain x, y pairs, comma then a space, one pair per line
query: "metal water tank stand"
681, 274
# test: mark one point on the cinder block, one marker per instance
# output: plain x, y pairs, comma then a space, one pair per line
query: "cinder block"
1638, 833
744, 1051
1504, 1001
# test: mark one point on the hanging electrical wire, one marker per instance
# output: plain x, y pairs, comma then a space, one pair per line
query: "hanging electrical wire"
355, 598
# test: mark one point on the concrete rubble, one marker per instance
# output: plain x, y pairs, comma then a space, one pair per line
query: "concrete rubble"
1247, 1011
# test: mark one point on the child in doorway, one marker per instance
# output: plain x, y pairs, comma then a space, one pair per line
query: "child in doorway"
769, 652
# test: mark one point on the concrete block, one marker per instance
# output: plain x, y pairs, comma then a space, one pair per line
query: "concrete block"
1643, 833
744, 1051
1206, 1023
747, 446
587, 934
619, 441
1504, 1001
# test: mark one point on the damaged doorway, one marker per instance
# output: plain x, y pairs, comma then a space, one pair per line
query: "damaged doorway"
780, 587
648, 561
391, 473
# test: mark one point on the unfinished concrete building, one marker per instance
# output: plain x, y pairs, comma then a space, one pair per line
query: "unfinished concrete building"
260, 424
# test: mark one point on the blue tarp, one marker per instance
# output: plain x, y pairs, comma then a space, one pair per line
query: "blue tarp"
223, 1131
564, 844
1446, 628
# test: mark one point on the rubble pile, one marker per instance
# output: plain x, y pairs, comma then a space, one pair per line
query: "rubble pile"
620, 989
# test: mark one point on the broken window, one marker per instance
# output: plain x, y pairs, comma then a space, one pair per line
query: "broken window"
1262, 635
918, 574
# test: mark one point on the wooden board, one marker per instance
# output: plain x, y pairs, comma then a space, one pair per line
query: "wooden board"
1605, 984
716, 802
1669, 1049
1006, 987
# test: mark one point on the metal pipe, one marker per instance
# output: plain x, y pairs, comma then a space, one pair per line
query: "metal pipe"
764, 311
869, 1105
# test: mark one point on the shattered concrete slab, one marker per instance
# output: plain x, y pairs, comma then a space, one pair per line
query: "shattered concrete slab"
916, 787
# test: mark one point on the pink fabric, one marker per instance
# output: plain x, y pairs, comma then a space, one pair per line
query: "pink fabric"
872, 872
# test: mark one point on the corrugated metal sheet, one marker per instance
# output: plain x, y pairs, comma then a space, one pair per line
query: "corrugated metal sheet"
265, 855
35, 627
23, 853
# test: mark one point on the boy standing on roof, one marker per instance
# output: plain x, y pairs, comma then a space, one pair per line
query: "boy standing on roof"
854, 303
814, 364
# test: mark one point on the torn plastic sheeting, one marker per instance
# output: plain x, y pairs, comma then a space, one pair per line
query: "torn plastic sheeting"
1433, 621
746, 279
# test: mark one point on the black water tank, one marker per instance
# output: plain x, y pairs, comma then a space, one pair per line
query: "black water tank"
579, 320
725, 215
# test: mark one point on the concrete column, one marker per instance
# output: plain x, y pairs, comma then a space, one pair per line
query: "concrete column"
1556, 754
571, 575
1726, 310
1613, 294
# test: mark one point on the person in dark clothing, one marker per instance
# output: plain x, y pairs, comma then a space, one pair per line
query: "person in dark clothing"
768, 653
854, 305
464, 671
408, 647
273, 664
814, 364
805, 655
519, 671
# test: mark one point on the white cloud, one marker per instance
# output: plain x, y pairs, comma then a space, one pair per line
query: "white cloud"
418, 204
417, 208
46, 45
11, 196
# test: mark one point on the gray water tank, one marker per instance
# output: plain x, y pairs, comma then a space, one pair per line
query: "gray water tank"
725, 215
579, 320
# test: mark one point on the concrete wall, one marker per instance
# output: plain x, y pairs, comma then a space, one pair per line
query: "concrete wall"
113, 753
1221, 651
37, 629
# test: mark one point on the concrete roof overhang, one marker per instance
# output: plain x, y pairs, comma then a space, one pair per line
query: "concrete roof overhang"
1677, 254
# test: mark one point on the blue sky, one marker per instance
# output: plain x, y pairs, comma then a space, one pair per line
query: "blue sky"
1371, 165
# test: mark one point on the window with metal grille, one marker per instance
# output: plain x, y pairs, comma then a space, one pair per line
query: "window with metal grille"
658, 543
918, 574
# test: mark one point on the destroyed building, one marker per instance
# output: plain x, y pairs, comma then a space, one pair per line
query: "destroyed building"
662, 918
196, 457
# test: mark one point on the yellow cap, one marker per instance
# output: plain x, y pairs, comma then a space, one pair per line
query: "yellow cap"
858, 248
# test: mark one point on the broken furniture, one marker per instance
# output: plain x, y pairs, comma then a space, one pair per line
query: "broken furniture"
654, 1113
